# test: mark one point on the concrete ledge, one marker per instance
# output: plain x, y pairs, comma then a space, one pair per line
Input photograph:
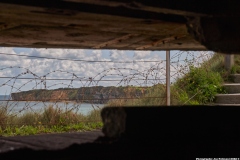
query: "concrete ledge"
228, 98
235, 78
54, 141
219, 104
177, 124
232, 87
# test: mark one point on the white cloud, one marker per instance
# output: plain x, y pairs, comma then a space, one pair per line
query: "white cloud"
64, 69
141, 54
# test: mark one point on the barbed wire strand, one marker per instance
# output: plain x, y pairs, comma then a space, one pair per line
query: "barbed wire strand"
113, 77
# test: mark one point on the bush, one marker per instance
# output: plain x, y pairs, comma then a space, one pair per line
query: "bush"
202, 84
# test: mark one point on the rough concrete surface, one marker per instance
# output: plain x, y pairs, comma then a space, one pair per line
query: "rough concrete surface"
47, 141
232, 87
121, 24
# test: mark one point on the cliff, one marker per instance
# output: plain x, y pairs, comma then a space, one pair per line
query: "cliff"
97, 94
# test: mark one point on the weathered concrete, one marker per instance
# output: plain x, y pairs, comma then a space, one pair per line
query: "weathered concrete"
216, 33
121, 24
47, 141
161, 123
92, 25
235, 78
232, 87
228, 98
221, 104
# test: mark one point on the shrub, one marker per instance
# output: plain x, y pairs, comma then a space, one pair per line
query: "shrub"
202, 84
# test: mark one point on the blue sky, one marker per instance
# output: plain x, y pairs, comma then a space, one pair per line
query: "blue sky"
122, 73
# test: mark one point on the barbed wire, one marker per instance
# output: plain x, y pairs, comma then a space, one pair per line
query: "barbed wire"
28, 90
75, 60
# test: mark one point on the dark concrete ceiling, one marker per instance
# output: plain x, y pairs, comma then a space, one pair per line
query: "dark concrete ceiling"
121, 24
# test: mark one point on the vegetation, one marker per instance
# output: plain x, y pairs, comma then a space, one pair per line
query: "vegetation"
236, 67
51, 120
198, 86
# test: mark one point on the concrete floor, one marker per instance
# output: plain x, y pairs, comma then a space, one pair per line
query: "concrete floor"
47, 141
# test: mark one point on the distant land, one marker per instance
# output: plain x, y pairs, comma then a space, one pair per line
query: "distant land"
96, 94
5, 97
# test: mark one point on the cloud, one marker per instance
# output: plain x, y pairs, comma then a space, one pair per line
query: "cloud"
141, 54
25, 67
116, 55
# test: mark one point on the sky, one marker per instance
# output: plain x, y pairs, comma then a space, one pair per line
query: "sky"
74, 68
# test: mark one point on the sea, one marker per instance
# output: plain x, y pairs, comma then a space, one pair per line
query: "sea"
21, 107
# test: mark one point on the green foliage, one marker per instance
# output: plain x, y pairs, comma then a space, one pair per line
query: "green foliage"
201, 84
52, 119
198, 86
32, 130
236, 66
235, 69
183, 98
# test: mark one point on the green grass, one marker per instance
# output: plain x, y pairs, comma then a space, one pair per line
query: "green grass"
51, 120
40, 129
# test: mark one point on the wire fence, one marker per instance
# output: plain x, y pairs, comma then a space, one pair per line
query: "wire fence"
56, 94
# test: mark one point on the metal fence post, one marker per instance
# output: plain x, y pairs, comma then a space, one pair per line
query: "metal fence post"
168, 78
